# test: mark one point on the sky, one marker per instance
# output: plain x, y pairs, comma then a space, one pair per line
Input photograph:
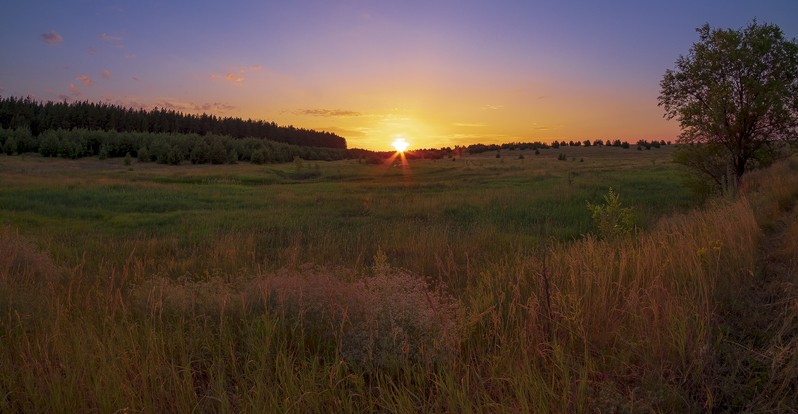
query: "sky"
437, 73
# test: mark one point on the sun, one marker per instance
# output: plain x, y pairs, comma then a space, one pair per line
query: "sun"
400, 144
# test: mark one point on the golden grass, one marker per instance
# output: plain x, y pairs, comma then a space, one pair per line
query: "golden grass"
628, 324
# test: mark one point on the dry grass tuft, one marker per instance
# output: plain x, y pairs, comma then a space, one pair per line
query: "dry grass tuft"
22, 263
386, 320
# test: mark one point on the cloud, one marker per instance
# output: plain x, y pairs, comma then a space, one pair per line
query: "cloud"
234, 78
130, 56
135, 78
213, 107
91, 50
493, 107
85, 79
105, 37
465, 124
234, 75
105, 74
337, 113
74, 90
252, 68
51, 38
348, 133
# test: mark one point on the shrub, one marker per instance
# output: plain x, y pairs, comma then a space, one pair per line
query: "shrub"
10, 147
257, 157
143, 154
611, 219
103, 152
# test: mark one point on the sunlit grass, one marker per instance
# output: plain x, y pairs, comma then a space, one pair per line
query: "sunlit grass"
163, 290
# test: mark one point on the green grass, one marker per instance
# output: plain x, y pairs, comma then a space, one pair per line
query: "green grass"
471, 285
477, 204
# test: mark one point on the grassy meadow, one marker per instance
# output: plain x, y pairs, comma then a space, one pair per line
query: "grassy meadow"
471, 285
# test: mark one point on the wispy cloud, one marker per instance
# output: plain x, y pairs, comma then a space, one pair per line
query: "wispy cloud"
105, 74
91, 50
493, 107
465, 124
234, 76
327, 113
174, 104
130, 56
105, 37
85, 79
252, 68
74, 90
348, 133
51, 38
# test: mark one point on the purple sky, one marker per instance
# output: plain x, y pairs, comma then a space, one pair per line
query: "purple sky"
437, 73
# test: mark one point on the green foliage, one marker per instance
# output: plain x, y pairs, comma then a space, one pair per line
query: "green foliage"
610, 218
257, 157
103, 152
200, 153
82, 115
143, 154
736, 90
10, 146
217, 154
128, 159
174, 156
49, 144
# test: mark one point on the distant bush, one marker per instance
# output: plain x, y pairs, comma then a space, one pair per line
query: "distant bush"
143, 154
257, 157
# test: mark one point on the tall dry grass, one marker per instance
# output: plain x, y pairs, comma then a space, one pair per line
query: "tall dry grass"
628, 324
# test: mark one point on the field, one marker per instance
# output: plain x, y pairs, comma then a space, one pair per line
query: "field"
475, 284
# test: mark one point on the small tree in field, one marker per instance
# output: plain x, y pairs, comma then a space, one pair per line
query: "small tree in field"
611, 219
736, 93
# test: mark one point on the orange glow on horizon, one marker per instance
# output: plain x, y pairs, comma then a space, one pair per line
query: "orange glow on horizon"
400, 145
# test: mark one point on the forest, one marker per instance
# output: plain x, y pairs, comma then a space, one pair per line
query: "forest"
83, 129
39, 117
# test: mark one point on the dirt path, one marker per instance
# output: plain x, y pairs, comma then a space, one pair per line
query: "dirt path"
756, 366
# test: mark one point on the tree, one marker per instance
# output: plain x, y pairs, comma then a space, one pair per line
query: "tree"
735, 95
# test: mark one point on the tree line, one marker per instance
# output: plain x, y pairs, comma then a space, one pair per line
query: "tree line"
480, 148
159, 147
39, 117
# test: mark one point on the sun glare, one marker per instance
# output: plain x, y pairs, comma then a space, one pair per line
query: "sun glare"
400, 144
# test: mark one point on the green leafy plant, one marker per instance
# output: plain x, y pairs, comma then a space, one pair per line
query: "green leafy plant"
611, 219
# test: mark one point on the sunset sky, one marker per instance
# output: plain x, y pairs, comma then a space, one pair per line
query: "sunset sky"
436, 73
